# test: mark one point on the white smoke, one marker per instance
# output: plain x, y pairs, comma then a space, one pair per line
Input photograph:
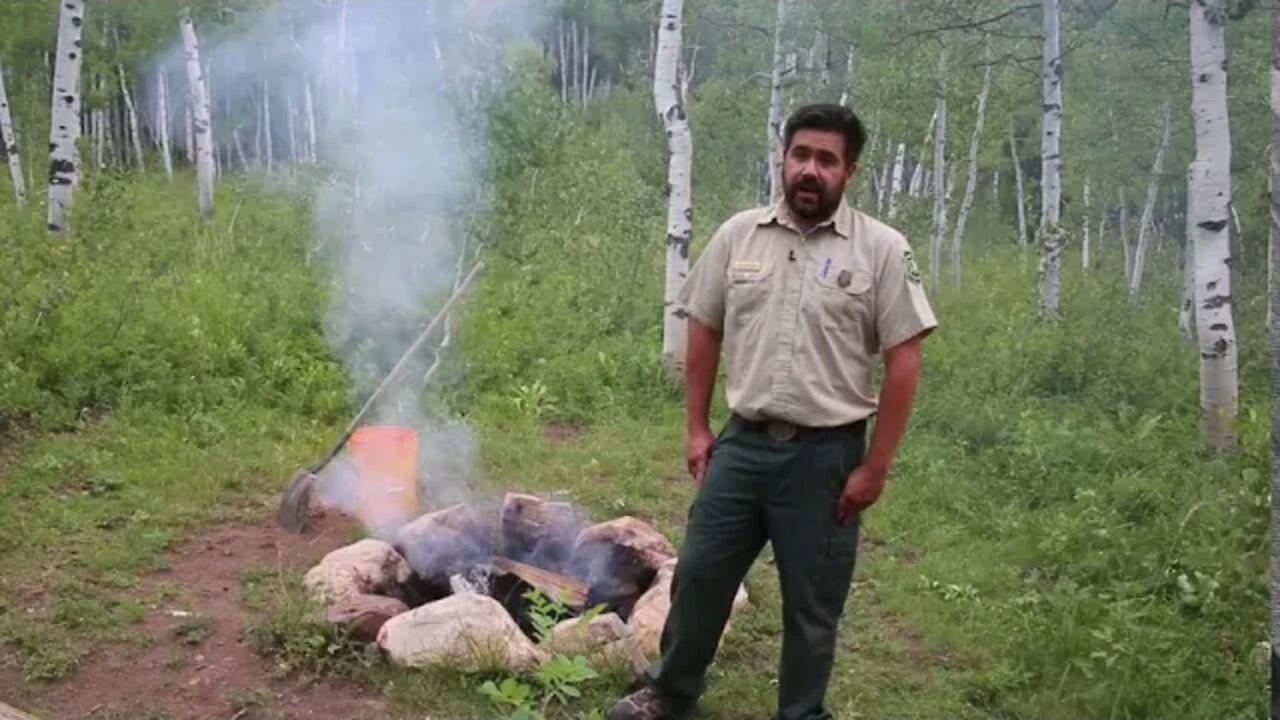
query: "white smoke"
398, 88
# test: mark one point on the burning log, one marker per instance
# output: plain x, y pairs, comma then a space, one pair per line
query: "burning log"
554, 585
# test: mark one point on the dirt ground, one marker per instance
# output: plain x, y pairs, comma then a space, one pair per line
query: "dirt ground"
218, 677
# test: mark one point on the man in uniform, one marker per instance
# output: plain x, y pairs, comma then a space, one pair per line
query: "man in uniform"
802, 295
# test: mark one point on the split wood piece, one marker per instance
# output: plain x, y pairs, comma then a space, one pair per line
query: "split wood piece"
558, 587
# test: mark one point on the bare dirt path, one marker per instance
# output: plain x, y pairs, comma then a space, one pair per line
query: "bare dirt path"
210, 671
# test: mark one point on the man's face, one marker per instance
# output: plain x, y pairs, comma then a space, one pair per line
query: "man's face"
814, 173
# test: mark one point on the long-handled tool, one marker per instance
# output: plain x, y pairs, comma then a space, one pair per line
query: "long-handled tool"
296, 498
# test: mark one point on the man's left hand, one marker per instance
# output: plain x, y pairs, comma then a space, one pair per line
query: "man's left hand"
861, 491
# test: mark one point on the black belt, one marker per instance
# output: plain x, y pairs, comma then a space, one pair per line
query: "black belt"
785, 430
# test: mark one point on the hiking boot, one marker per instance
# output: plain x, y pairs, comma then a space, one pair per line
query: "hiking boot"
644, 704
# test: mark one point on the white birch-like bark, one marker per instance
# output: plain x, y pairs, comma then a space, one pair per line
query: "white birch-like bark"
846, 94
1051, 236
1209, 200
1102, 227
266, 124
134, 135
189, 142
201, 126
1023, 240
585, 73
1084, 228
995, 183
939, 184
1124, 237
1146, 225
162, 122
916, 185
64, 125
895, 179
9, 140
971, 184
342, 56
668, 98
773, 132
882, 194
239, 148
311, 123
293, 134
562, 46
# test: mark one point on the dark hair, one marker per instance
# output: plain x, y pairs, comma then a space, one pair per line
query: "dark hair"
829, 116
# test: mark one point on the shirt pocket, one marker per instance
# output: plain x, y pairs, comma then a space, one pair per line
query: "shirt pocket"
748, 290
843, 301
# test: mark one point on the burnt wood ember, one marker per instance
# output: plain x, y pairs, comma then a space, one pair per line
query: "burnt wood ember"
554, 585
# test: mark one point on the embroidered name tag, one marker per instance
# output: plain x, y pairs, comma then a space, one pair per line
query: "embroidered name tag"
747, 265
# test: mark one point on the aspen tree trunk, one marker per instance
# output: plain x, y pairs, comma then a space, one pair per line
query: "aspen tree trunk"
995, 184
939, 180
882, 195
133, 118
342, 56
1084, 228
189, 145
971, 185
668, 98
1147, 225
1051, 236
895, 179
1124, 237
311, 123
1209, 200
1102, 227
162, 122
235, 139
9, 142
201, 126
774, 129
64, 125
916, 185
846, 94
266, 124
1022, 198
98, 128
293, 135
562, 46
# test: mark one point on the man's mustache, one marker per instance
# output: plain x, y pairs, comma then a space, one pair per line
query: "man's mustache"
808, 184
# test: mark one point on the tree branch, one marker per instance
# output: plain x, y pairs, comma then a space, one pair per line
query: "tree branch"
973, 24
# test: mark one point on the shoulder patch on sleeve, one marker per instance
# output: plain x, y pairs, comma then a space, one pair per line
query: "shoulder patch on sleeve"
913, 271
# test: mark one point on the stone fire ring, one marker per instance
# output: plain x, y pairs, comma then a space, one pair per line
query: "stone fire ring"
450, 589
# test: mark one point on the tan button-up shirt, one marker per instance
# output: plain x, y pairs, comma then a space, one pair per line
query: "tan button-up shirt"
803, 315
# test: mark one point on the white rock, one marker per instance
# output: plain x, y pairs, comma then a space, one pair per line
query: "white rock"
651, 610
367, 567
573, 636
467, 632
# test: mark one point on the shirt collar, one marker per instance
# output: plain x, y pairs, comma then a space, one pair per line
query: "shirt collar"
841, 219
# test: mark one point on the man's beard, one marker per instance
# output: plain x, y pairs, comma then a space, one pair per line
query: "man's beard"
805, 207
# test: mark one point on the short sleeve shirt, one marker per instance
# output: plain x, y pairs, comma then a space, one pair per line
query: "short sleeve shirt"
803, 315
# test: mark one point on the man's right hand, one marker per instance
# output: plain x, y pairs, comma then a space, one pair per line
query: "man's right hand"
698, 444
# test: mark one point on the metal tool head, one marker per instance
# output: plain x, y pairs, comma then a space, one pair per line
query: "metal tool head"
296, 501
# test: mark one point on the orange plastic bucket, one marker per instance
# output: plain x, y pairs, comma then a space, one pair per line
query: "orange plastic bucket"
386, 460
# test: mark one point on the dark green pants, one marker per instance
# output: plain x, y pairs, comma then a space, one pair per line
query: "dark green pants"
759, 489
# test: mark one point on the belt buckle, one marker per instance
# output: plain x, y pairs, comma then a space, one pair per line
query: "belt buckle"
780, 430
